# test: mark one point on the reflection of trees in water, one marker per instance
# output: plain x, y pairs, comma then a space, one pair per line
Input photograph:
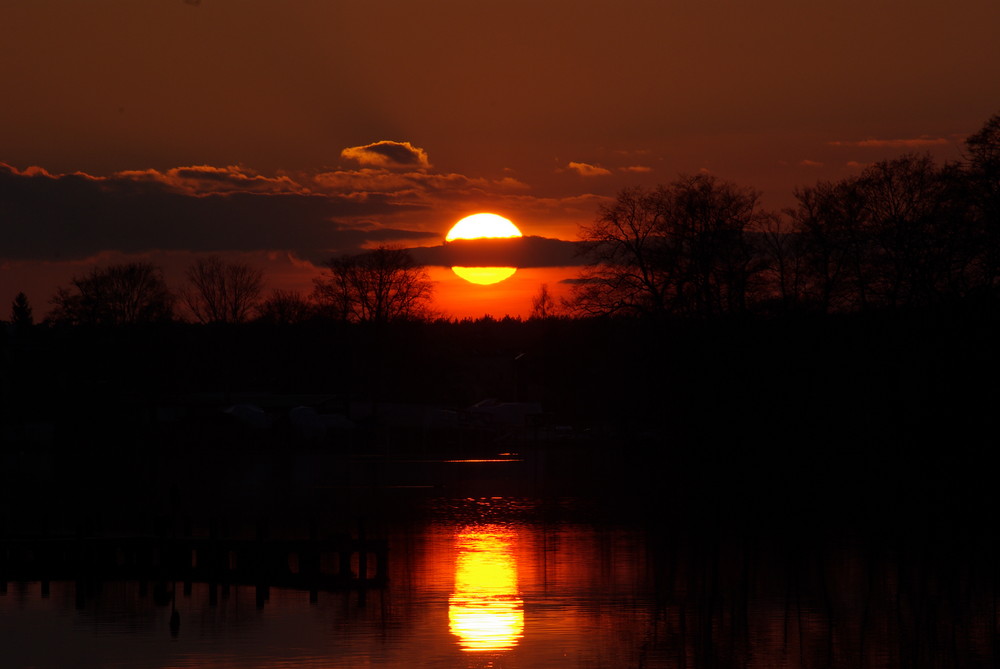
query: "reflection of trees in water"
598, 595
747, 604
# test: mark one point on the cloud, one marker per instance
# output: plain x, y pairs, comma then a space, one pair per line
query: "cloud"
810, 163
529, 251
639, 169
913, 143
588, 170
370, 180
206, 179
388, 154
510, 183
66, 217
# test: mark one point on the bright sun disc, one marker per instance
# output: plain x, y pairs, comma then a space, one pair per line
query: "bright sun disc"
484, 276
478, 226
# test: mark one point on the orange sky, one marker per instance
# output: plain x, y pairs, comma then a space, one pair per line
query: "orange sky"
170, 127
511, 297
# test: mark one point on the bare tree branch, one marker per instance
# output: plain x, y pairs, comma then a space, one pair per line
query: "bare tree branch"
381, 285
221, 292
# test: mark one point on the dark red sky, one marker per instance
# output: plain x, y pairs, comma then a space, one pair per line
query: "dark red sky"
534, 110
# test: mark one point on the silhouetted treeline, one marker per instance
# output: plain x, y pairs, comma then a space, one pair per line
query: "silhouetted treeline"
903, 233
624, 375
380, 285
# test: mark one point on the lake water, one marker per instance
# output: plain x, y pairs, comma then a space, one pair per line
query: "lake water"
517, 581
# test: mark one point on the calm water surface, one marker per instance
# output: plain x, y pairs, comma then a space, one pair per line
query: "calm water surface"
514, 582
476, 583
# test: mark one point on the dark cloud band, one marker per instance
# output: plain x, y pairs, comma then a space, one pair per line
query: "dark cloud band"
46, 217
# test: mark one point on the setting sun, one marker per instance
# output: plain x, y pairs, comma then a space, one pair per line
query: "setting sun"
479, 226
484, 275
483, 226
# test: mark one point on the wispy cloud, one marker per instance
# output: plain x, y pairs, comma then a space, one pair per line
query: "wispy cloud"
206, 179
912, 143
588, 170
368, 180
638, 169
810, 163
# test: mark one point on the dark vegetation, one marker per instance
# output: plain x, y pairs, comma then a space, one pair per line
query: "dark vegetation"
833, 369
806, 414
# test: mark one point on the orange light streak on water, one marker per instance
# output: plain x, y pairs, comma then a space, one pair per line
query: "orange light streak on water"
486, 611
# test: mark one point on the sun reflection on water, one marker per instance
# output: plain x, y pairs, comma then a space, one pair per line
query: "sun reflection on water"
486, 612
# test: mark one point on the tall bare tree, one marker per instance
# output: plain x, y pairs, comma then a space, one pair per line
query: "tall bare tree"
542, 304
784, 270
683, 248
630, 260
381, 285
984, 154
115, 295
898, 234
222, 292
828, 223
983, 178
708, 222
914, 236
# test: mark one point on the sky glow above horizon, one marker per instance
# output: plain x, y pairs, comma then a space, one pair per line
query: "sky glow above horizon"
285, 133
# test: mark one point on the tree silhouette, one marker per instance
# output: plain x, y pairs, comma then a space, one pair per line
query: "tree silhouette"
984, 153
896, 235
983, 179
115, 295
630, 259
784, 272
284, 307
381, 285
709, 222
827, 223
906, 203
683, 248
542, 304
222, 292
20, 312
